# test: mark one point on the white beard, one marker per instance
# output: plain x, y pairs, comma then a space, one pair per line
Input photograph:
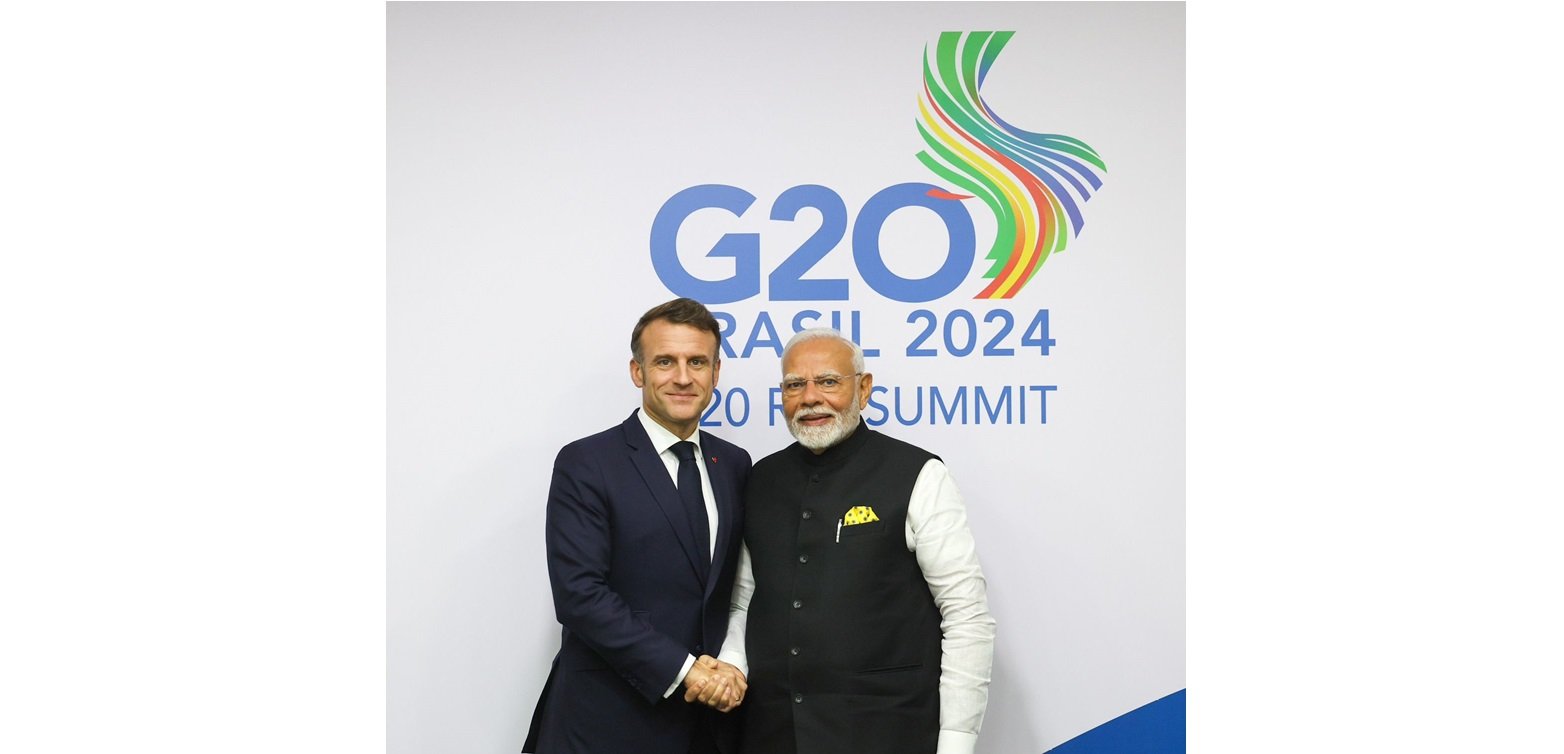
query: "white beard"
826, 435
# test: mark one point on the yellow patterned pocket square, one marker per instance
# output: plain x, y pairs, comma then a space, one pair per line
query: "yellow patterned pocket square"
860, 514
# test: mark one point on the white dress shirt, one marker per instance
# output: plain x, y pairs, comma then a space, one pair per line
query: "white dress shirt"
937, 534
663, 442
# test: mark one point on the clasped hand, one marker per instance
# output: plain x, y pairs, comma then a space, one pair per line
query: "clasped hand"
715, 683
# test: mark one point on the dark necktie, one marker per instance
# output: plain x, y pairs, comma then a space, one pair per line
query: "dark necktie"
694, 501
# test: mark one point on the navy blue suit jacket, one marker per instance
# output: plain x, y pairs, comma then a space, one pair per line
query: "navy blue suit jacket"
622, 563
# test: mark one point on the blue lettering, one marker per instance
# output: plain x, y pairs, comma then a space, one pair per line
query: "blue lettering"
727, 326
981, 406
774, 407
918, 403
787, 281
738, 421
763, 323
1042, 401
744, 248
874, 405
798, 320
937, 404
871, 262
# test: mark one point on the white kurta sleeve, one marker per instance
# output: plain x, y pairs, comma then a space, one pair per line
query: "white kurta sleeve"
938, 535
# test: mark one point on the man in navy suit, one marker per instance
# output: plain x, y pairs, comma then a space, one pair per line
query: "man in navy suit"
643, 535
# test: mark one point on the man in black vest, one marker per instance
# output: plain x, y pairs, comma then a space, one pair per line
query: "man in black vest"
859, 608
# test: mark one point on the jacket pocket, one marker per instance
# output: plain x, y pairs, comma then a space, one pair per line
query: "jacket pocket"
890, 669
871, 529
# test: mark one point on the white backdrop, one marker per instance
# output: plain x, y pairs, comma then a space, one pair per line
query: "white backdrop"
531, 147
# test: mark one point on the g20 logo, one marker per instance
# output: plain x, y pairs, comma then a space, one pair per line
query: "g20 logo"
1034, 183
786, 282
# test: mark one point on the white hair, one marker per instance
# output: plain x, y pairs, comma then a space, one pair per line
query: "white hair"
816, 333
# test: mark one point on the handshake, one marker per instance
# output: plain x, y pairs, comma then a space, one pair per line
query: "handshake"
715, 684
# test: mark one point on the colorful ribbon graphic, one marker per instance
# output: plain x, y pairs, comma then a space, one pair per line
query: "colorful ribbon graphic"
1022, 176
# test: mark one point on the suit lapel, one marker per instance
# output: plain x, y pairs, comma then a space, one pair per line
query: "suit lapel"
721, 489
655, 475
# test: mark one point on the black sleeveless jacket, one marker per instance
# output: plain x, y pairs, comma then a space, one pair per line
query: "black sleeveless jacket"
843, 637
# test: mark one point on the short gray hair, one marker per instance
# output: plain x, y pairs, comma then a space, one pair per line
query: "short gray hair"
816, 333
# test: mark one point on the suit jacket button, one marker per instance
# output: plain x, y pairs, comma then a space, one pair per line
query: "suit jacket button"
798, 698
797, 604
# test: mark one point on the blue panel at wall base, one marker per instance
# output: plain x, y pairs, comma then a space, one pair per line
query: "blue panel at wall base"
1157, 728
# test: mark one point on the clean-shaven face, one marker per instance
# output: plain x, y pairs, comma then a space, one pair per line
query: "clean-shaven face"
676, 375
